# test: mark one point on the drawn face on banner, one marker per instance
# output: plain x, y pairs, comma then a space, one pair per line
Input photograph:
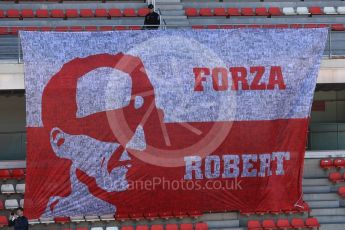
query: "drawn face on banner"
81, 132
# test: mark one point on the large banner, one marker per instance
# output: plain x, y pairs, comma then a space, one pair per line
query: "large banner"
167, 122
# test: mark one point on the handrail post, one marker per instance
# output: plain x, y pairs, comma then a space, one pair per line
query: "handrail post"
19, 59
329, 43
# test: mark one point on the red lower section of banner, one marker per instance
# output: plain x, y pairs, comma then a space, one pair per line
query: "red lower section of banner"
157, 188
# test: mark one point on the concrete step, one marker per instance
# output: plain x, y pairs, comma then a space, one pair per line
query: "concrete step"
215, 224
313, 182
226, 228
169, 7
332, 227
175, 17
324, 204
172, 12
320, 196
176, 22
219, 216
316, 189
331, 220
167, 1
328, 212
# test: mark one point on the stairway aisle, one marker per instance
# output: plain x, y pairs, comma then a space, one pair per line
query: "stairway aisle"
172, 12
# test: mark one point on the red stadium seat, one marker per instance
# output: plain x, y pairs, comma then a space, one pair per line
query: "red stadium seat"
42, 13
86, 13
201, 226
61, 29
120, 28
282, 26
90, 28
72, 13
254, 26
186, 227
338, 27
75, 28
3, 30
135, 27
212, 27
191, 12
171, 227
2, 207
268, 224
310, 26
322, 25
197, 27
341, 191
28, 13
226, 27
157, 227
114, 12
315, 10
21, 175
326, 163
13, 13
129, 12
18, 173
46, 28
3, 221
335, 177
312, 223
283, 223
142, 227
57, 13
127, 228
339, 163
101, 13
220, 12
234, 12
61, 220
296, 26
105, 28
142, 12
247, 11
2, 14
14, 30
275, 11
297, 223
205, 12
261, 11
5, 173
82, 228
254, 225
239, 26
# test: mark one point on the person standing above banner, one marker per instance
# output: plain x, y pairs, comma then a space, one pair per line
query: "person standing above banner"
151, 19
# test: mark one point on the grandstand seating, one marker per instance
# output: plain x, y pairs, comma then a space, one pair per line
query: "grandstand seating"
262, 11
73, 16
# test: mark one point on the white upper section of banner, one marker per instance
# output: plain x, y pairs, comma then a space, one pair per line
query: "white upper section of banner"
169, 57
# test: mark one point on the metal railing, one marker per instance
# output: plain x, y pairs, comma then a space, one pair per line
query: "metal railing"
162, 20
10, 50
